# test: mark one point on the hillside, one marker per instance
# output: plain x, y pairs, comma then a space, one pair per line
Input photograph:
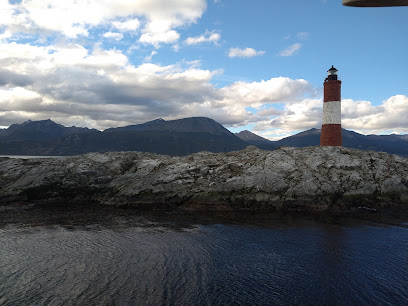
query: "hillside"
186, 125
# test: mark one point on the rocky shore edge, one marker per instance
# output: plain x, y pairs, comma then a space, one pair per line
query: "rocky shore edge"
315, 179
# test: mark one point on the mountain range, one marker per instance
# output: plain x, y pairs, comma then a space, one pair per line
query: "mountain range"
393, 144
173, 137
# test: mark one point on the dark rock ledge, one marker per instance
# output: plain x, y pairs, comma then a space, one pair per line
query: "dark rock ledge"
292, 179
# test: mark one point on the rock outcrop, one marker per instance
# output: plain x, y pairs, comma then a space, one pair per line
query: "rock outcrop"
312, 178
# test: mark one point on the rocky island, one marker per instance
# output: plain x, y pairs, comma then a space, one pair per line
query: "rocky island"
311, 179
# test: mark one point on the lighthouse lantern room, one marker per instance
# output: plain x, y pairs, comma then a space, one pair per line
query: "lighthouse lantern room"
332, 73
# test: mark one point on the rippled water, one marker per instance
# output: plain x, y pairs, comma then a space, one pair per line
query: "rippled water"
29, 156
100, 256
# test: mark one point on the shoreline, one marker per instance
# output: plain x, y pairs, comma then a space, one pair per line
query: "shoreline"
100, 216
392, 215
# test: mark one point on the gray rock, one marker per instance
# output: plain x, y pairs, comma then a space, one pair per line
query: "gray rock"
316, 178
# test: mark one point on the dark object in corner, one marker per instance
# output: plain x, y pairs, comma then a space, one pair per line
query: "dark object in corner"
375, 3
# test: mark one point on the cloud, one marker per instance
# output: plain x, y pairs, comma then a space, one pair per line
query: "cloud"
208, 36
101, 88
128, 25
73, 82
301, 115
247, 52
73, 18
351, 109
275, 90
289, 51
155, 38
149, 57
360, 116
270, 111
364, 117
303, 35
115, 36
9, 78
163, 16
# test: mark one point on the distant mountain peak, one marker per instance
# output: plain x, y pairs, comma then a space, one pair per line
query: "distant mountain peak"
158, 120
39, 122
185, 125
249, 136
41, 129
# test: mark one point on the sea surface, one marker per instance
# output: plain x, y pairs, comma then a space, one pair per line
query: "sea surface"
107, 256
29, 156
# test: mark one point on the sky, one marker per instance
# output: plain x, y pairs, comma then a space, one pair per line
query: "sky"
257, 65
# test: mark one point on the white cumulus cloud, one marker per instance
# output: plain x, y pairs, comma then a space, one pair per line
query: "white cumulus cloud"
115, 36
367, 118
360, 116
247, 52
128, 25
71, 84
208, 36
155, 38
73, 18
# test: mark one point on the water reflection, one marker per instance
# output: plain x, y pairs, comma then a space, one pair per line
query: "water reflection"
104, 256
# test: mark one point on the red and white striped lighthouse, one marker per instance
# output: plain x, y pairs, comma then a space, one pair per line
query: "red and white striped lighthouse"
331, 124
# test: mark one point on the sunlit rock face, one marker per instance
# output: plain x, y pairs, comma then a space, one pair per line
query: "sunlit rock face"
312, 178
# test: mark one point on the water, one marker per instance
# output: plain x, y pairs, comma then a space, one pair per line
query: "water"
29, 156
104, 256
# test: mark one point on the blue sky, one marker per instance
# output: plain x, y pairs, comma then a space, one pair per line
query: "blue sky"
256, 65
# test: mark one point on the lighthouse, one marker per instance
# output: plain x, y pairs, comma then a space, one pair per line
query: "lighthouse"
331, 123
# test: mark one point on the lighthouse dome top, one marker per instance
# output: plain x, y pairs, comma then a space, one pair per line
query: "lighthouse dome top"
332, 71
332, 74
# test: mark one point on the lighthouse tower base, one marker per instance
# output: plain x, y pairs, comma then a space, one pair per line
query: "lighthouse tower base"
330, 135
